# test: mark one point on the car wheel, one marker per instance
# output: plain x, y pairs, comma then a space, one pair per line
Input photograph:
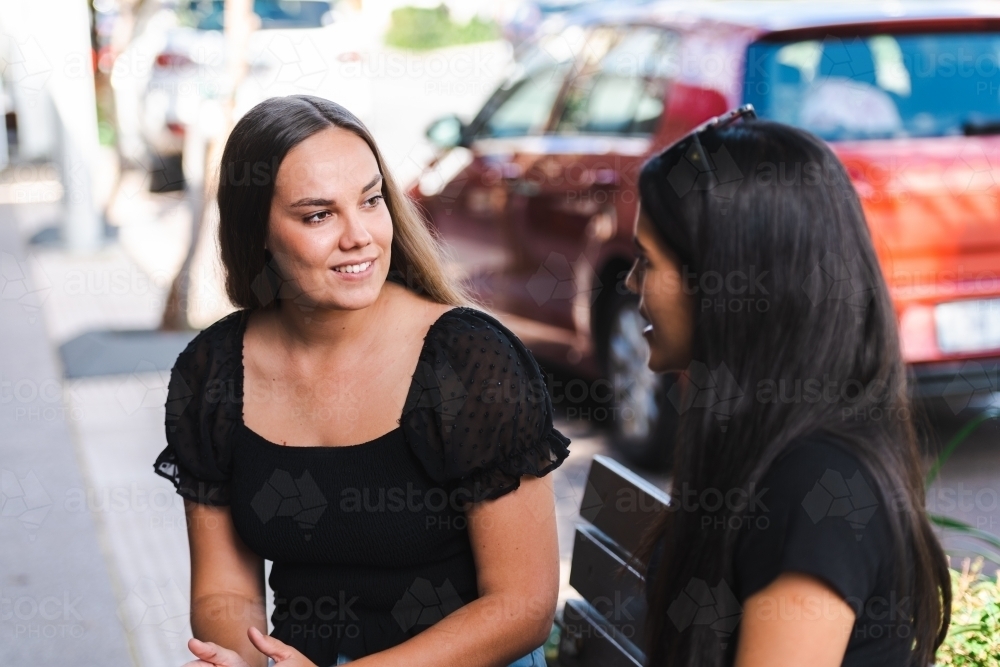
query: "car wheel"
643, 423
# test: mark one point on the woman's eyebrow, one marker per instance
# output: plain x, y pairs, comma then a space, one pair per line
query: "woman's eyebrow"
313, 201
309, 201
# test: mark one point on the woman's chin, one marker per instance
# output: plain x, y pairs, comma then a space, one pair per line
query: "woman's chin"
656, 365
665, 364
341, 300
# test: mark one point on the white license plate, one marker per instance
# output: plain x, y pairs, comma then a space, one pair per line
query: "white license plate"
968, 326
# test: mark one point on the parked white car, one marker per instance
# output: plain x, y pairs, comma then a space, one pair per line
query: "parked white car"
299, 47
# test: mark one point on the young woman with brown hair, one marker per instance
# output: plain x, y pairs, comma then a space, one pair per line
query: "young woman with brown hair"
357, 423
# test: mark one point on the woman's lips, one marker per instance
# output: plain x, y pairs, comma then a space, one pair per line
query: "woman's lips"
648, 329
355, 271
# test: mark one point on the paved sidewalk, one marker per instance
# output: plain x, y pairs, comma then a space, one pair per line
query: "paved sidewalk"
113, 393
57, 597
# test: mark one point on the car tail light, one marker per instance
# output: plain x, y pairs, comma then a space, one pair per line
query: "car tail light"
168, 60
917, 336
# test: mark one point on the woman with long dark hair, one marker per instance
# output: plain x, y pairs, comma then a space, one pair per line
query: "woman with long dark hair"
357, 423
797, 533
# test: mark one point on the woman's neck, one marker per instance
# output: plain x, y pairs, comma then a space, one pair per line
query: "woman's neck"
329, 330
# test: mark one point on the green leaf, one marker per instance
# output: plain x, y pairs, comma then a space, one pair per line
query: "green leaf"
966, 529
958, 439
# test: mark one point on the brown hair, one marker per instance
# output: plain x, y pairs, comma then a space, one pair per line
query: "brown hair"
250, 161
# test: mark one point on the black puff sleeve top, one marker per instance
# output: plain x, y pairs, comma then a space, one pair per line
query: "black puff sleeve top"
368, 542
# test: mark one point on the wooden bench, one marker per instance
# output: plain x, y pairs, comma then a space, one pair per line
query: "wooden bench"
605, 628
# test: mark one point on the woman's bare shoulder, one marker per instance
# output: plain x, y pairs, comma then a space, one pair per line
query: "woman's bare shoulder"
418, 310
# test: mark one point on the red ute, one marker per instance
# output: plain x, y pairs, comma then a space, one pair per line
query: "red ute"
537, 194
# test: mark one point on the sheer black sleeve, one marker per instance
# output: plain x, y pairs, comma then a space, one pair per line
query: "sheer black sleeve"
201, 410
478, 414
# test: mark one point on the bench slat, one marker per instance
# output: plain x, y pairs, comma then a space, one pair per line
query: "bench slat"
594, 642
619, 502
594, 575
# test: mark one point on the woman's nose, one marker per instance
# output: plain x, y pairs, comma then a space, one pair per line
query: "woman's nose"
631, 283
355, 234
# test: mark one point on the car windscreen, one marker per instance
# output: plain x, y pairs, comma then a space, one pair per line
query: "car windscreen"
879, 86
208, 14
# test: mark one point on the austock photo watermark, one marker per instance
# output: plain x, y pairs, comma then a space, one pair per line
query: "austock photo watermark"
975, 385
23, 498
40, 399
745, 290
326, 616
718, 608
60, 399
700, 604
56, 615
163, 607
298, 499
718, 391
26, 280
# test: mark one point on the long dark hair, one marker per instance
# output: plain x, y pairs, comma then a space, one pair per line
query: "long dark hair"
250, 161
767, 199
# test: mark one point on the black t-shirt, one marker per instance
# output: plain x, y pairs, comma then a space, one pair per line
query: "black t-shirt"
818, 513
369, 542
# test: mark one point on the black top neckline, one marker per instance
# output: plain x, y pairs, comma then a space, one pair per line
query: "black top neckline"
241, 424
257, 437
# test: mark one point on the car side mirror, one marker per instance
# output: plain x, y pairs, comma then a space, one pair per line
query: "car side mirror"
446, 132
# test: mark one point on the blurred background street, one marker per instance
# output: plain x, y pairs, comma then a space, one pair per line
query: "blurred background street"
109, 266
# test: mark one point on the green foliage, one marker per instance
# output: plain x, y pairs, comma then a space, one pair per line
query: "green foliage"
552, 645
974, 634
417, 28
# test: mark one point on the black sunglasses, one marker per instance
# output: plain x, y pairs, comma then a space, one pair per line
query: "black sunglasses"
698, 156
731, 116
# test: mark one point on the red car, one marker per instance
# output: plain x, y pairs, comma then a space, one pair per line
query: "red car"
537, 194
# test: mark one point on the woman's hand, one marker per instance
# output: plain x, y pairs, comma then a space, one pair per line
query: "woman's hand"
280, 652
211, 654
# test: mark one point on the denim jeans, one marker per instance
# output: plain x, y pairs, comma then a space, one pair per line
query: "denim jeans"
534, 659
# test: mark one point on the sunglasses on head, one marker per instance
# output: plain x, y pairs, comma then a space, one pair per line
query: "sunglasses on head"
746, 111
697, 155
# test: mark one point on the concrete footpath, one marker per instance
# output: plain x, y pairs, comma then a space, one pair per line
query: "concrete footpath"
103, 368
58, 604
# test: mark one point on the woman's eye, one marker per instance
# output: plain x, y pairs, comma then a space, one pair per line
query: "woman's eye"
375, 199
315, 217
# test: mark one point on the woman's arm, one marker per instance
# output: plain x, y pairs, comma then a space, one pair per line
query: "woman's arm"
227, 583
796, 620
516, 549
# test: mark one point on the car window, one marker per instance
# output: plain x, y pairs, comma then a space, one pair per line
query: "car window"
527, 108
878, 86
523, 104
620, 91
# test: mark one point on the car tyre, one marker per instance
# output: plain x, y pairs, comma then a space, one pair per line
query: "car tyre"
643, 423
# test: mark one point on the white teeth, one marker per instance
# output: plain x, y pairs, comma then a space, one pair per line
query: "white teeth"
352, 268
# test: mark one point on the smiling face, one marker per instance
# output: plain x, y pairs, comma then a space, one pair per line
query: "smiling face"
656, 278
329, 229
